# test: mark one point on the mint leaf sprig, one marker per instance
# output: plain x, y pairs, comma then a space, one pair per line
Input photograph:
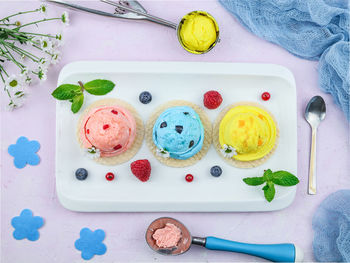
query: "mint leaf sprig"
75, 93
282, 178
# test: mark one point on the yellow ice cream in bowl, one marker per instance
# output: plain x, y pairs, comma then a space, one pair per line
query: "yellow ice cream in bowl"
198, 32
249, 132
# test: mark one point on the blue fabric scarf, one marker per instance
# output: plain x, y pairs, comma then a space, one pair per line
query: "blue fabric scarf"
310, 29
331, 224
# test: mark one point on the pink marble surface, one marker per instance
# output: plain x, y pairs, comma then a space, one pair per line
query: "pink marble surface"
91, 37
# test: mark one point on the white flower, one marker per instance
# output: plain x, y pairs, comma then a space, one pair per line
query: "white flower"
43, 8
35, 41
18, 97
65, 18
44, 63
46, 44
13, 82
25, 75
11, 106
55, 57
228, 151
16, 102
59, 40
163, 153
92, 152
42, 73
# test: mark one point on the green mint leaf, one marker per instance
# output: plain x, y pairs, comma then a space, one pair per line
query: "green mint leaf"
269, 191
77, 102
284, 178
267, 175
99, 86
66, 92
254, 180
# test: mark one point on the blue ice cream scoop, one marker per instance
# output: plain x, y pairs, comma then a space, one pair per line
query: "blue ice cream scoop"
179, 131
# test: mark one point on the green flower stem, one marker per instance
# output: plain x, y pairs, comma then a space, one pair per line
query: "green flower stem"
43, 50
39, 21
37, 34
3, 80
3, 70
20, 13
21, 66
3, 24
20, 51
26, 53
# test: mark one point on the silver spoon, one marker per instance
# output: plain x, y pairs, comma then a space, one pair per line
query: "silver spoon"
133, 10
274, 252
315, 112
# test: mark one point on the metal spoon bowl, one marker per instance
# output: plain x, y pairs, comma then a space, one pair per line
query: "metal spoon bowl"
315, 112
183, 244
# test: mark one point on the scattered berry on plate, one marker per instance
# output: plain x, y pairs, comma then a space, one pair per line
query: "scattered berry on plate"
145, 97
81, 174
110, 176
216, 171
265, 96
141, 169
189, 178
212, 99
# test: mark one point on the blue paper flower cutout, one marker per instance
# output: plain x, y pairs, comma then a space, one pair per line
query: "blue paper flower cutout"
90, 243
24, 152
26, 225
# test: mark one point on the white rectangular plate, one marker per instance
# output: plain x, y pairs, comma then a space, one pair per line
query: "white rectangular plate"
167, 189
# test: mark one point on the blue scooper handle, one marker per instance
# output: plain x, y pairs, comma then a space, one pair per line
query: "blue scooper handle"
273, 252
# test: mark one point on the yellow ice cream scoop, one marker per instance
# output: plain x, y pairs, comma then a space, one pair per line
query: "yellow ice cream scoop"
198, 32
250, 130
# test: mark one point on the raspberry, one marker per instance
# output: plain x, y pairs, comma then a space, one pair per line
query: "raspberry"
141, 169
212, 99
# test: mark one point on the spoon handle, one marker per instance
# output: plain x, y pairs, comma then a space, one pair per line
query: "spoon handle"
272, 252
312, 168
151, 18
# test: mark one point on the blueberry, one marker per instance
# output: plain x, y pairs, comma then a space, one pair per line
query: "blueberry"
81, 173
216, 171
163, 124
145, 97
191, 144
179, 128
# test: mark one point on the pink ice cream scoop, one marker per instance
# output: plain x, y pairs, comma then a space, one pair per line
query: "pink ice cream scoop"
168, 236
111, 129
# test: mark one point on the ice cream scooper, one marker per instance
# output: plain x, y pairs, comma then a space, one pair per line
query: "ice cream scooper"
133, 10
273, 252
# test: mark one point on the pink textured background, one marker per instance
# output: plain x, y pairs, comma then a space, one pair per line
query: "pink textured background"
92, 37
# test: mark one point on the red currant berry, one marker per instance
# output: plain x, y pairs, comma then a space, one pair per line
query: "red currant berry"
265, 96
114, 112
106, 126
189, 178
110, 176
